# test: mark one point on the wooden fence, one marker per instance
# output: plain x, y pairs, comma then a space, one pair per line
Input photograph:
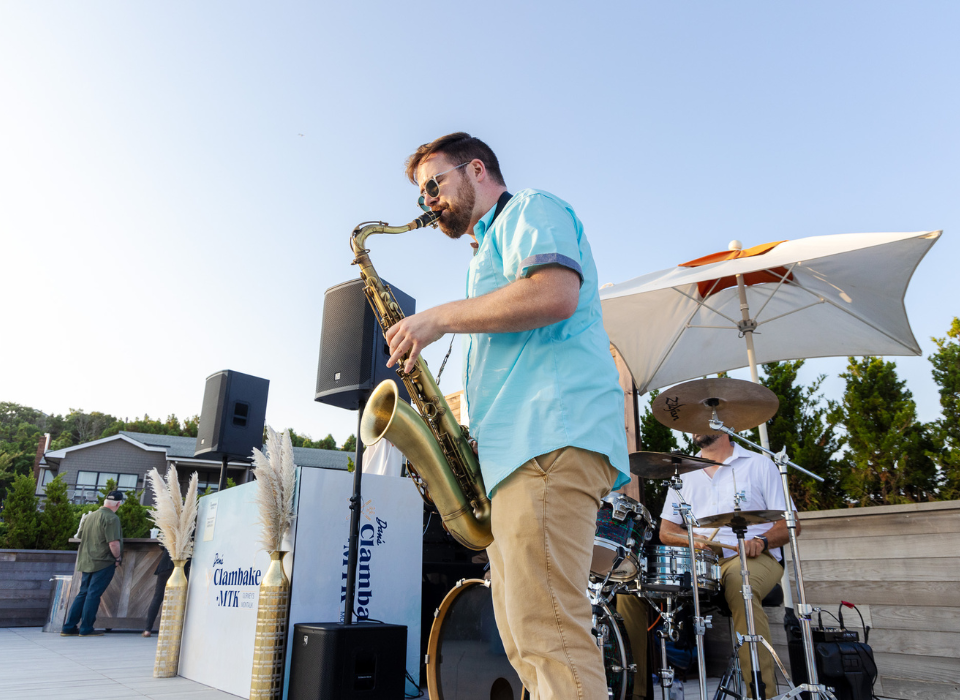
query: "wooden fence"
900, 565
25, 584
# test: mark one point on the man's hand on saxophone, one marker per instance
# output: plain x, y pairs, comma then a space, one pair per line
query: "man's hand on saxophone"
550, 294
411, 335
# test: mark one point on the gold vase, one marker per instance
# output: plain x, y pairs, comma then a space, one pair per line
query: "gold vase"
171, 623
273, 608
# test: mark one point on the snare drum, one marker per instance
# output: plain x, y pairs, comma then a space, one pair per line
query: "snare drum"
668, 571
622, 524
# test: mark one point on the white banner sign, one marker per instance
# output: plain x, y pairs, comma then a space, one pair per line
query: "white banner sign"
221, 616
389, 568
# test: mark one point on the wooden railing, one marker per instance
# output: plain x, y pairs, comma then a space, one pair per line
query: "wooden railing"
25, 583
900, 565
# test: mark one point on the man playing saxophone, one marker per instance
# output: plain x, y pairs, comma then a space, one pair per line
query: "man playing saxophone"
544, 402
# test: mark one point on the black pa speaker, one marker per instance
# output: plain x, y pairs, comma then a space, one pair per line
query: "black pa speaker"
233, 414
333, 661
353, 351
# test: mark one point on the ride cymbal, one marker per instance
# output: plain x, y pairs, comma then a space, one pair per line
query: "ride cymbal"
663, 465
741, 405
741, 517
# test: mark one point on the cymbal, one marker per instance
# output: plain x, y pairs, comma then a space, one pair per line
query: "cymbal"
741, 405
663, 465
739, 518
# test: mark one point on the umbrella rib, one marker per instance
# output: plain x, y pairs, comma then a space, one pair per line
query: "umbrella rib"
791, 311
673, 344
824, 300
783, 278
721, 328
699, 303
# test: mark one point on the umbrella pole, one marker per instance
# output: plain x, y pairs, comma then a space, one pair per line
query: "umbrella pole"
747, 326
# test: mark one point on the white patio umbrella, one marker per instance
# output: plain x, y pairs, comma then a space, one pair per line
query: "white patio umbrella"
823, 296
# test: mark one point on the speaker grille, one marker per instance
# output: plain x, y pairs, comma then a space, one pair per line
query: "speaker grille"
353, 352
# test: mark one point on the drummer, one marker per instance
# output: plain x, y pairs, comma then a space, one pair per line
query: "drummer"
710, 491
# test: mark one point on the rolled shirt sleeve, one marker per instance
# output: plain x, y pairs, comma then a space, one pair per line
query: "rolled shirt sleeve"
545, 234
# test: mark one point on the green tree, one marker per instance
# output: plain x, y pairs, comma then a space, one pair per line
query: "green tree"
58, 521
134, 517
20, 513
946, 431
7, 470
811, 441
85, 427
191, 426
350, 465
350, 444
887, 457
328, 443
13, 415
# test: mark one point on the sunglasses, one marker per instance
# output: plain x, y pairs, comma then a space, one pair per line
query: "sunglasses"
431, 187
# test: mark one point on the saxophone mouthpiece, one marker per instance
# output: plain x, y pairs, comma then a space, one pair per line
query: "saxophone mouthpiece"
428, 219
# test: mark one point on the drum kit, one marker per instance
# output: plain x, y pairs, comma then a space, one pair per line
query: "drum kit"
625, 563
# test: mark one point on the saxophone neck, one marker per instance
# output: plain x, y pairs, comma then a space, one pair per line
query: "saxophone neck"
368, 228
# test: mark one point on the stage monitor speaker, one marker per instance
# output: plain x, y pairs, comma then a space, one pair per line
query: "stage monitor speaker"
353, 351
333, 661
233, 415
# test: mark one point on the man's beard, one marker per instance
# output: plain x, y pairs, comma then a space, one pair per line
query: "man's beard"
704, 441
457, 217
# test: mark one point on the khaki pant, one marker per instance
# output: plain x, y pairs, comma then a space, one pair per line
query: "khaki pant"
765, 573
544, 518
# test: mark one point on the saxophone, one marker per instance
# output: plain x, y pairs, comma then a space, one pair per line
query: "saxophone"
429, 437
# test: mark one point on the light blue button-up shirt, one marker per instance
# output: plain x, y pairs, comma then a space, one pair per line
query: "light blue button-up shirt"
536, 391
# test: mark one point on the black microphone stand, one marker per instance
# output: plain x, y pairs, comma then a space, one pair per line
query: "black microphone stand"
354, 541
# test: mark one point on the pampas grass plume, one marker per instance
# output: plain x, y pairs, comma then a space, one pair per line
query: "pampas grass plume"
175, 517
277, 479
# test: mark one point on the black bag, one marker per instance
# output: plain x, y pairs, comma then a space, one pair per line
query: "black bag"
848, 667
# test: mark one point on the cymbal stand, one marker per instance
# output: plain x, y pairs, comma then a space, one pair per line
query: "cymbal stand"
670, 632
751, 637
803, 610
700, 623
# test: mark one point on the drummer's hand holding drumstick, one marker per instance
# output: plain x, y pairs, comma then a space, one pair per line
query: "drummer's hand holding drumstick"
675, 535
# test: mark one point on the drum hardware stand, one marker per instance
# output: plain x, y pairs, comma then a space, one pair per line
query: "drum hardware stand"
752, 638
700, 624
803, 610
600, 605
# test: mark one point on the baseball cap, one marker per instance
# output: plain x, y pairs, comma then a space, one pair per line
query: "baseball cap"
115, 496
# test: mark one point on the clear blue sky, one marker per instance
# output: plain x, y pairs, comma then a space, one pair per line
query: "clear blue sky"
178, 180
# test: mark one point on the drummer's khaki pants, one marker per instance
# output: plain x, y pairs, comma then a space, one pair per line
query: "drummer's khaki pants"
765, 573
544, 518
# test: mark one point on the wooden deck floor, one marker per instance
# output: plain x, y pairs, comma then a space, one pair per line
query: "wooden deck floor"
116, 666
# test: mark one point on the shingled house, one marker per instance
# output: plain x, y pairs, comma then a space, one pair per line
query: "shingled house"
127, 457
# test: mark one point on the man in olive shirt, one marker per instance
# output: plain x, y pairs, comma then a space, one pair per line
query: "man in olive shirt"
101, 547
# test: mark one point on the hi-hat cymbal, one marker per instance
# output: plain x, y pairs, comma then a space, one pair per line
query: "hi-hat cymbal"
663, 465
739, 518
741, 405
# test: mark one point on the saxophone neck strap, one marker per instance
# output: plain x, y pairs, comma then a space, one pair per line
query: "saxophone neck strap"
501, 203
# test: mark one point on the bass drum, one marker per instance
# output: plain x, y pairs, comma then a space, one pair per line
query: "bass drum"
465, 657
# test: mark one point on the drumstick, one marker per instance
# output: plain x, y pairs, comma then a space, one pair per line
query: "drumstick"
714, 533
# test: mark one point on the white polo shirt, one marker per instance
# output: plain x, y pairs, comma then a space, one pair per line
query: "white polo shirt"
753, 473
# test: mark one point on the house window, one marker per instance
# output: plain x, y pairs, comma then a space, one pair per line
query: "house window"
94, 481
212, 481
46, 476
